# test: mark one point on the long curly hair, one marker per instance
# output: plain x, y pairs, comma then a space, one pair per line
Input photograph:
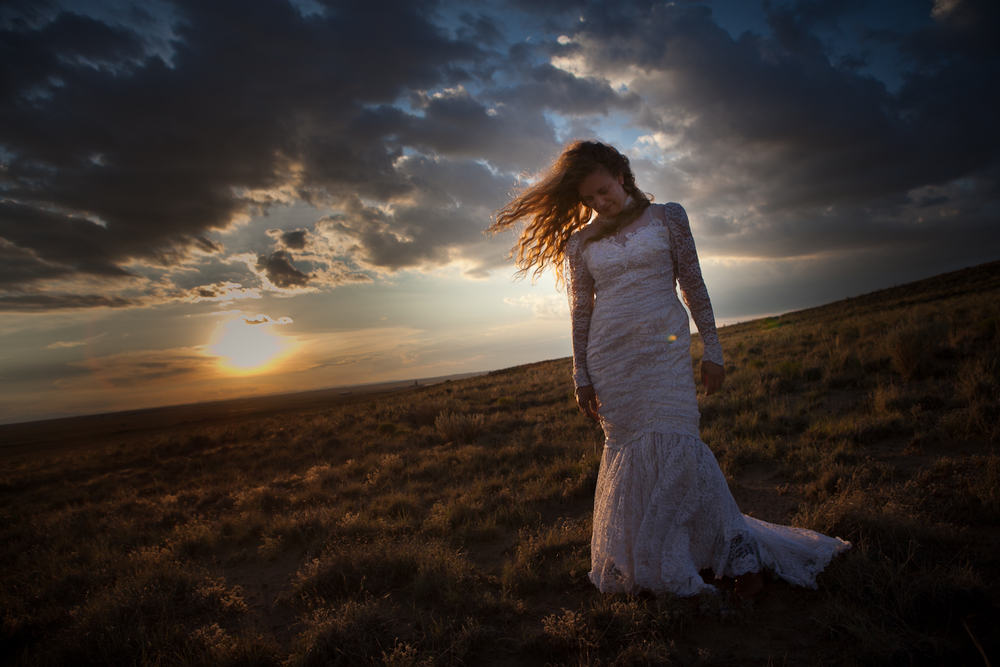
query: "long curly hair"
552, 208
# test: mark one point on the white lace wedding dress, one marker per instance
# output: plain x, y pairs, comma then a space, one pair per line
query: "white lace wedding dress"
663, 510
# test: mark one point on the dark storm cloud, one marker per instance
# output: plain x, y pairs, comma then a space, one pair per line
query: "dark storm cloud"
817, 156
111, 155
277, 268
222, 291
52, 243
453, 200
464, 182
545, 87
456, 124
965, 27
381, 241
124, 146
45, 302
294, 240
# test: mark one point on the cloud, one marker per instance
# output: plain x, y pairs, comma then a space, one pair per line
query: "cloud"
544, 87
62, 345
295, 239
140, 368
196, 147
47, 302
543, 306
127, 145
277, 269
430, 228
225, 291
265, 319
111, 155
785, 153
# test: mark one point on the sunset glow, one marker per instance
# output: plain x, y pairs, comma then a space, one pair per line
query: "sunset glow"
244, 348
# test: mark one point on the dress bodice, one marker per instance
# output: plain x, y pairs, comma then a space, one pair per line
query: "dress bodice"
631, 283
635, 264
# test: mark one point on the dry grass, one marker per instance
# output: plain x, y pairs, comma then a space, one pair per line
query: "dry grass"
460, 428
449, 525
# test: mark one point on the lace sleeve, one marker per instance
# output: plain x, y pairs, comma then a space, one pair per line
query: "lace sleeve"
692, 284
580, 290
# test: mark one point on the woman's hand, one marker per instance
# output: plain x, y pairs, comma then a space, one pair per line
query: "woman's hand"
712, 376
586, 398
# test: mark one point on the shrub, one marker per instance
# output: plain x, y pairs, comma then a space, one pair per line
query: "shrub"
791, 370
355, 634
912, 347
460, 428
988, 328
986, 489
558, 557
359, 569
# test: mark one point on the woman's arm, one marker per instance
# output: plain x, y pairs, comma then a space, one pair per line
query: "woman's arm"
696, 294
580, 289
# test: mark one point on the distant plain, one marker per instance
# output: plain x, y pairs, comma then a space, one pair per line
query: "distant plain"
449, 524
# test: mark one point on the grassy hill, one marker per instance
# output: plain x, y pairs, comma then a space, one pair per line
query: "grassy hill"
450, 524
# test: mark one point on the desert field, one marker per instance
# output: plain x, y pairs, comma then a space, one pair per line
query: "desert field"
449, 524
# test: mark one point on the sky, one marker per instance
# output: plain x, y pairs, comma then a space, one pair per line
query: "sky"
204, 199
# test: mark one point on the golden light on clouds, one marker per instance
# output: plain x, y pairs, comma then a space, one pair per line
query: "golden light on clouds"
246, 346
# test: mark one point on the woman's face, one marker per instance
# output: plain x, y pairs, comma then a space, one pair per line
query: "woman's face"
603, 192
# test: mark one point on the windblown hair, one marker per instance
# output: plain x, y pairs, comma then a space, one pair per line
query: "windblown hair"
552, 208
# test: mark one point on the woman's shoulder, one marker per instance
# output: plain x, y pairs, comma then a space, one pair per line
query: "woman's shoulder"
669, 207
583, 233
673, 212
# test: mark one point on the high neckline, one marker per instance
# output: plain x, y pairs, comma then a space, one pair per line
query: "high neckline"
625, 206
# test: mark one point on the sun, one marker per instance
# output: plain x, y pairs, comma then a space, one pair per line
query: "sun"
245, 347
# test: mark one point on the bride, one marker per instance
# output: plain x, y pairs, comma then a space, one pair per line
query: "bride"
663, 511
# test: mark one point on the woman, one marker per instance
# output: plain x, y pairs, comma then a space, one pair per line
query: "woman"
663, 512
